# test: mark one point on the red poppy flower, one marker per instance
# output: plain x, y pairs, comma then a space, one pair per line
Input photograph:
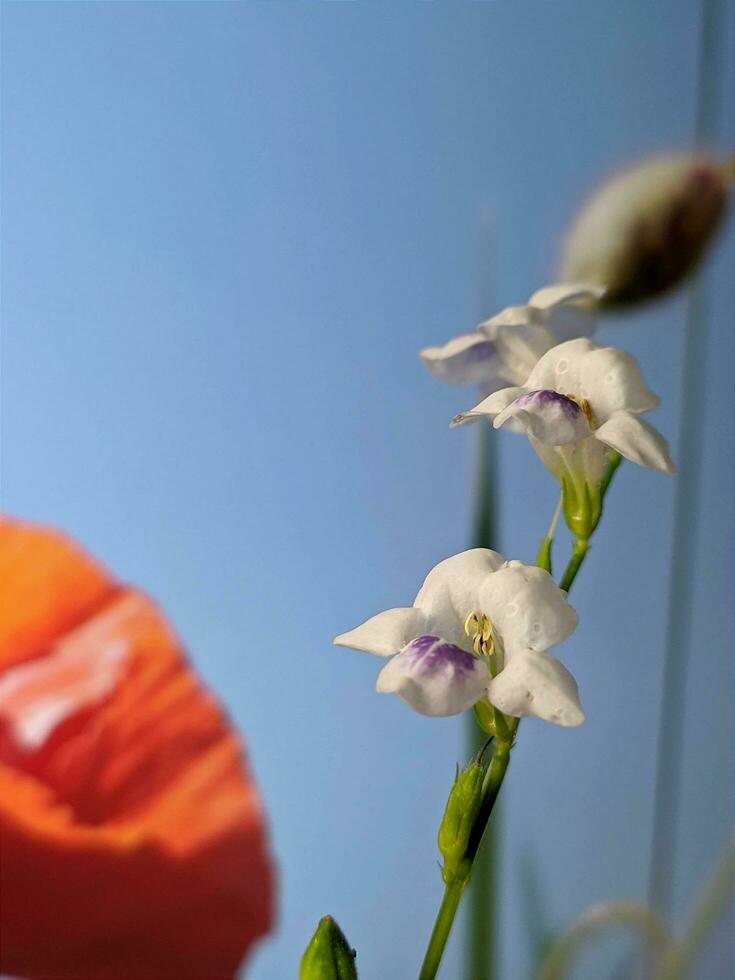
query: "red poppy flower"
132, 841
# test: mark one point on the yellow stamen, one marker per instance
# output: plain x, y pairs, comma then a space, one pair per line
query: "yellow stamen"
470, 624
480, 628
586, 408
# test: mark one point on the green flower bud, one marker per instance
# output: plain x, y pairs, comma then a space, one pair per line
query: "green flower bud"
646, 229
459, 817
582, 505
328, 956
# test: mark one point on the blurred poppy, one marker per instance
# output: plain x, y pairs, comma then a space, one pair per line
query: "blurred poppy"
132, 840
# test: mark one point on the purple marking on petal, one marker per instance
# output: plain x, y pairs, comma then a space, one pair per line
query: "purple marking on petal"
479, 352
549, 397
468, 359
431, 653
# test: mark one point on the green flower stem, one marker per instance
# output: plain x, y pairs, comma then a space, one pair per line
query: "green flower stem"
442, 928
581, 547
543, 559
491, 788
453, 891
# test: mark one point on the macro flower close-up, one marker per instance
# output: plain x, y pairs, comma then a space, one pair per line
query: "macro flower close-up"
479, 626
251, 254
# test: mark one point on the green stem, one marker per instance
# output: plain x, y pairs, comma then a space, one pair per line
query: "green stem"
441, 930
575, 563
453, 891
491, 788
581, 546
543, 559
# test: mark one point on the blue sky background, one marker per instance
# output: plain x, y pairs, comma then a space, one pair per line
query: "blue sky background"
227, 230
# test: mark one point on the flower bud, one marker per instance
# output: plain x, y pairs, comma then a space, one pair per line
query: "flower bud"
456, 826
328, 956
646, 229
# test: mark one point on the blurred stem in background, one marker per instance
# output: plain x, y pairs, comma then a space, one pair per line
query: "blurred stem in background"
717, 895
686, 516
604, 916
669, 958
482, 914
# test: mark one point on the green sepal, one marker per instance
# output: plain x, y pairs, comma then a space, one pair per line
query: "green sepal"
582, 507
328, 956
485, 715
458, 820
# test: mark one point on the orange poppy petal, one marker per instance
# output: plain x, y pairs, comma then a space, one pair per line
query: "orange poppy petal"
48, 586
131, 835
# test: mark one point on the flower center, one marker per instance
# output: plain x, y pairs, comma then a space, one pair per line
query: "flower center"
586, 408
486, 642
479, 628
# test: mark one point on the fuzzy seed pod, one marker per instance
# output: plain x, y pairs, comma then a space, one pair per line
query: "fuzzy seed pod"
646, 229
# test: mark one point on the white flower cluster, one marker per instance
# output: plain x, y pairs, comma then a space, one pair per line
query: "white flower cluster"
480, 627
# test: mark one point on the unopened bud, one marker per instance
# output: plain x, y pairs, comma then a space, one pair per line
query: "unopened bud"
328, 956
459, 817
645, 230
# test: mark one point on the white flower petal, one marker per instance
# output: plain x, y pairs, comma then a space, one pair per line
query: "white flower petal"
469, 359
538, 685
488, 407
386, 633
527, 607
582, 461
638, 441
568, 322
435, 677
560, 367
551, 296
452, 589
520, 347
612, 381
547, 416
511, 316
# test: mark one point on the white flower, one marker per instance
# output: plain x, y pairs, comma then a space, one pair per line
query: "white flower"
580, 401
504, 349
510, 612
